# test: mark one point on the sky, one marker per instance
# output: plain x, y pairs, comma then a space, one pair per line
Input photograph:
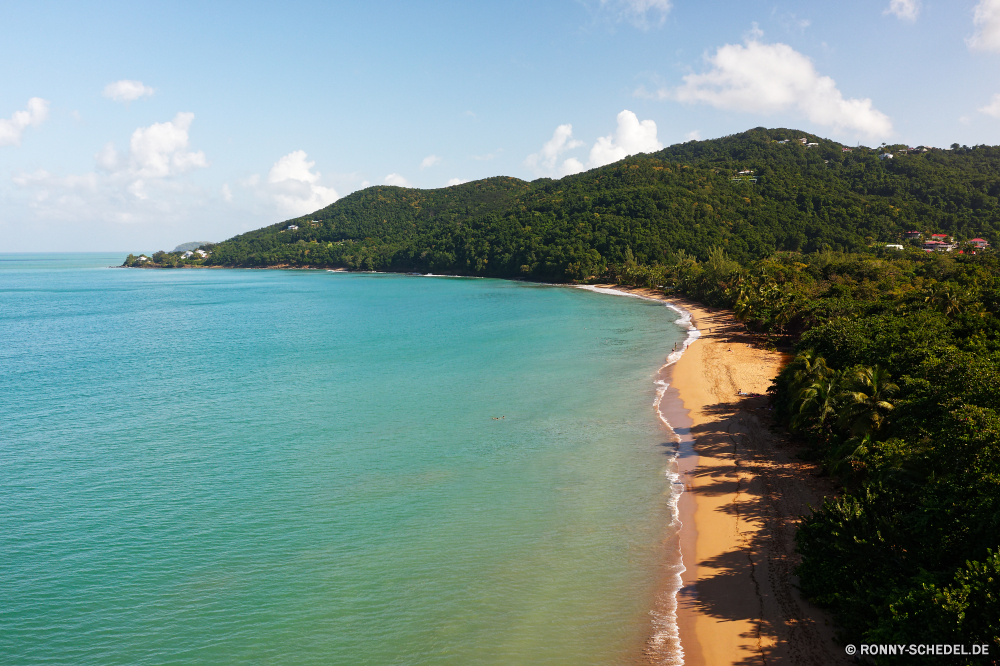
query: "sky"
137, 126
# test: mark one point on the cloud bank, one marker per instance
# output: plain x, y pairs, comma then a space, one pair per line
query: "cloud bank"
33, 116
986, 17
630, 137
397, 180
544, 161
772, 78
993, 108
294, 186
126, 187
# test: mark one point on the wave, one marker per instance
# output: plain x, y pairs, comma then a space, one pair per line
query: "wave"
665, 644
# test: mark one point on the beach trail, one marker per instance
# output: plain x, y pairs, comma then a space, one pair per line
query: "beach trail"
743, 498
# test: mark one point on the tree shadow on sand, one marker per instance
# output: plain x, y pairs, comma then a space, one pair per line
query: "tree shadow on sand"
754, 580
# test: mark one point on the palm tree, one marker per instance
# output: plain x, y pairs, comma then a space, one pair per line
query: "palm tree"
945, 299
849, 459
810, 368
817, 401
866, 401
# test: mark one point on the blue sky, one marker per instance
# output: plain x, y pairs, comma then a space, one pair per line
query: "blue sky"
138, 126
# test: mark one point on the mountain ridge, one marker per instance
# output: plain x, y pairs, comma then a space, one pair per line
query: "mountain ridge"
689, 197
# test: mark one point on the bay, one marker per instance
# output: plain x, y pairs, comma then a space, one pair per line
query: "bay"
299, 467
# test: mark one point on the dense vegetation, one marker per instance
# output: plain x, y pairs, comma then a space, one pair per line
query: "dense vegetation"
895, 388
646, 207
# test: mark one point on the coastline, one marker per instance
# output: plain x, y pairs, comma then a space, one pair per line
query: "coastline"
744, 490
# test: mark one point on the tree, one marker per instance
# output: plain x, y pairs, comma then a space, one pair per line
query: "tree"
866, 401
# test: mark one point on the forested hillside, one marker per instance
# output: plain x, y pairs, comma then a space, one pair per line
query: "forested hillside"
646, 206
895, 392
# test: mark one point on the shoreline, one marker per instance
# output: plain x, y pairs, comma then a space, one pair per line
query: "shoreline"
744, 490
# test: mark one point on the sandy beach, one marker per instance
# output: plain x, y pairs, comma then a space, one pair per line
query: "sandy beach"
744, 492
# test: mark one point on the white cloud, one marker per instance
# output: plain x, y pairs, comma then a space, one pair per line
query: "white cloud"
544, 161
107, 158
160, 150
630, 137
127, 91
294, 187
771, 78
33, 116
693, 135
456, 181
993, 108
430, 161
640, 13
140, 185
906, 10
293, 166
571, 166
396, 179
986, 17
227, 194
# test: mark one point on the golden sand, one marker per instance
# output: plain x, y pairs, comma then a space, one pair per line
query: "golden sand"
743, 498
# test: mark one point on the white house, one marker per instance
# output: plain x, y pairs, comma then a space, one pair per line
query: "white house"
885, 156
937, 246
293, 227
187, 254
201, 253
812, 145
143, 257
895, 246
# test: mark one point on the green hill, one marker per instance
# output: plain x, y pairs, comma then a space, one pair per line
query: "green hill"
683, 197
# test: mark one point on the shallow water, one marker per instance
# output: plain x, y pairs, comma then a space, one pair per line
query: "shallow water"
305, 467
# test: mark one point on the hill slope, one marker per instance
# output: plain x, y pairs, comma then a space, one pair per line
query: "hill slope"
646, 206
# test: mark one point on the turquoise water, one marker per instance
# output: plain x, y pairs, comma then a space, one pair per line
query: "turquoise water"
292, 467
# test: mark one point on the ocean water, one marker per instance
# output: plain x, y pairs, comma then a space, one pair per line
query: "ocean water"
302, 467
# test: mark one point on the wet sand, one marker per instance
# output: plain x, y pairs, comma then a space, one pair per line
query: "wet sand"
744, 492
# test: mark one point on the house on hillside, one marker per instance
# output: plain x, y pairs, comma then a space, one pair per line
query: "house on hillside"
812, 145
803, 140
783, 141
979, 242
937, 246
201, 253
846, 150
143, 257
187, 254
885, 156
944, 238
292, 227
911, 235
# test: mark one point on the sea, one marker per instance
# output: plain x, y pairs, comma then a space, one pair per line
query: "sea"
309, 467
